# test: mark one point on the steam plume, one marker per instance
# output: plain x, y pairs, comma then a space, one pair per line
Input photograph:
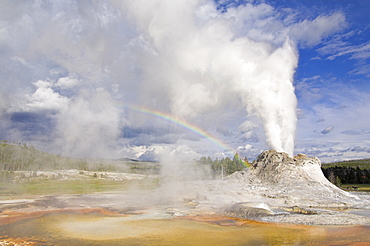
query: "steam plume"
184, 57
204, 58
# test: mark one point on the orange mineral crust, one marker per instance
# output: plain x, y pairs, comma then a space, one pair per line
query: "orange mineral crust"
100, 226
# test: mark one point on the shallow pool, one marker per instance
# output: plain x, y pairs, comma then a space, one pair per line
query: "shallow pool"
99, 228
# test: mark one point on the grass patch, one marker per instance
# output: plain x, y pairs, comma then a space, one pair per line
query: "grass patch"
56, 187
361, 187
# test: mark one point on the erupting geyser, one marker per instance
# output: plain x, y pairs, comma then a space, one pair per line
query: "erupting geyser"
216, 64
272, 97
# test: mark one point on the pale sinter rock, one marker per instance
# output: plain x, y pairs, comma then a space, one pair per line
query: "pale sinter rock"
296, 179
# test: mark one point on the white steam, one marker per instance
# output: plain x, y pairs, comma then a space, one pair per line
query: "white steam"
89, 126
184, 57
204, 60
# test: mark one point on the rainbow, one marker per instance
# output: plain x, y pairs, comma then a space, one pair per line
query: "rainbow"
186, 125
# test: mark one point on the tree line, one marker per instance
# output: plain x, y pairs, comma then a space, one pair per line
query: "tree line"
17, 157
22, 157
336, 174
347, 175
225, 166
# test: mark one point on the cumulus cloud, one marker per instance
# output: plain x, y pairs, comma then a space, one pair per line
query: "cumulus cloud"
43, 98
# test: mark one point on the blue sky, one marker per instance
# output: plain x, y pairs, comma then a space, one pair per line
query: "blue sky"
332, 84
255, 75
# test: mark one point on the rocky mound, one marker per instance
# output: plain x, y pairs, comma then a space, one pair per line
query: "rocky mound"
297, 180
278, 168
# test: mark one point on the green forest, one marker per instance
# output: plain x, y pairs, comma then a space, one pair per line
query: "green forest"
348, 172
347, 175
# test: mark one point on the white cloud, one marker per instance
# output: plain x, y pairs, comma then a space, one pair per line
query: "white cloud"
22, 61
44, 98
245, 147
362, 70
151, 153
66, 82
348, 45
357, 52
310, 33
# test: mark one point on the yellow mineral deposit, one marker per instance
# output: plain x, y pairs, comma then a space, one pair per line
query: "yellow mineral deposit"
100, 227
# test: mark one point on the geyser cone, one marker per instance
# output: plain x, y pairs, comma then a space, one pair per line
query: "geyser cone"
296, 180
278, 167
272, 167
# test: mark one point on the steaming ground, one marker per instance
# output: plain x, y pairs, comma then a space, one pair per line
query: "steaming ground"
277, 188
